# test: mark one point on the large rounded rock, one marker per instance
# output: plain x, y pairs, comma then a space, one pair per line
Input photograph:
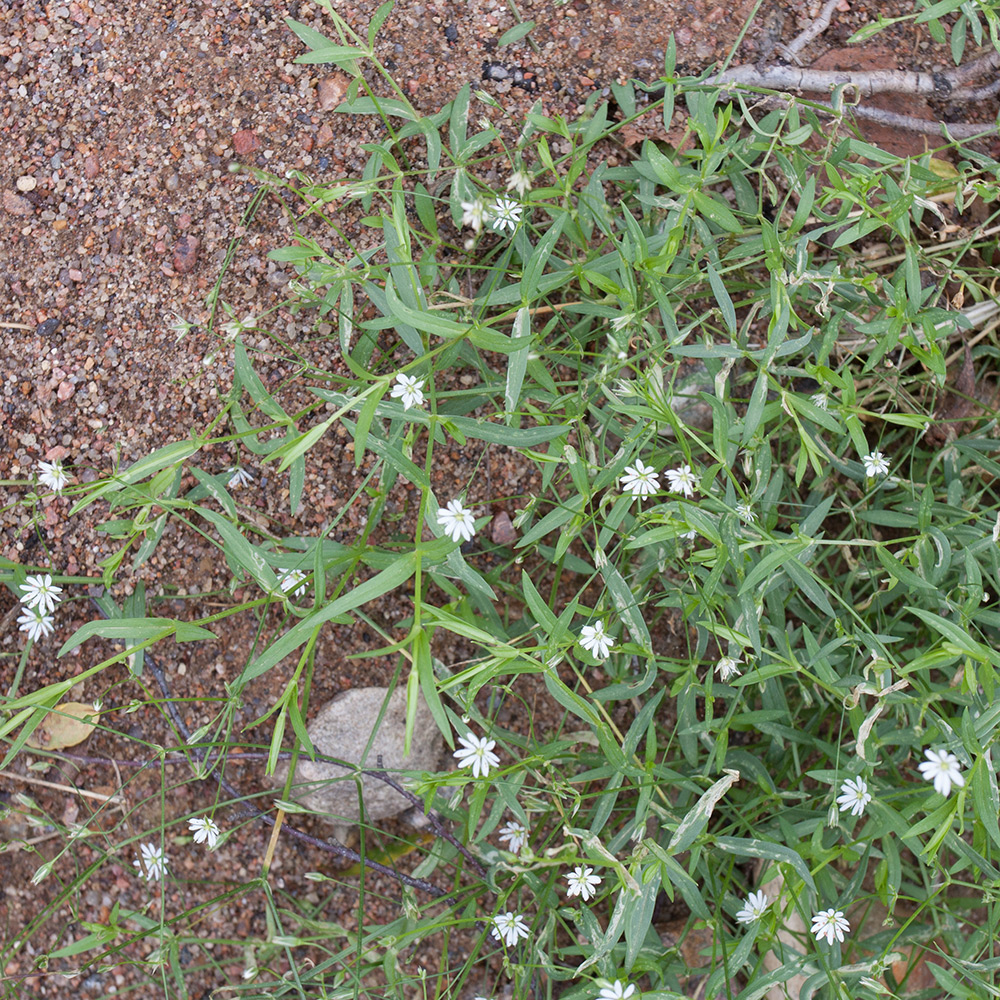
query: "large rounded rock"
343, 729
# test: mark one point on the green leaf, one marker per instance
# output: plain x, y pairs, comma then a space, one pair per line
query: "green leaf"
696, 819
378, 19
423, 669
136, 631
768, 851
248, 557
515, 34
395, 575
717, 211
247, 377
162, 458
517, 364
722, 297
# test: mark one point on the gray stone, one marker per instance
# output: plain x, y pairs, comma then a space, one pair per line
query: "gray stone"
685, 400
342, 729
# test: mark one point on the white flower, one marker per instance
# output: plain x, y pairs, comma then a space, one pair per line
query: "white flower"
583, 883
616, 991
640, 480
753, 908
520, 181
854, 795
943, 769
509, 927
477, 753
996, 529
875, 464
472, 214
515, 833
181, 327
457, 521
292, 581
152, 862
745, 511
596, 641
820, 400
36, 623
39, 592
506, 214
727, 667
235, 327
407, 388
204, 830
830, 924
682, 480
51, 474
238, 477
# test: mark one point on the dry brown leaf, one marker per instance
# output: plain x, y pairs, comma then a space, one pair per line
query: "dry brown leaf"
64, 726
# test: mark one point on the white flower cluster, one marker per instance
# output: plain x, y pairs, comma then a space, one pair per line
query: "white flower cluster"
39, 597
151, 864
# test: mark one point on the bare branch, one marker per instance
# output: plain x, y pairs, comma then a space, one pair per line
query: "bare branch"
815, 29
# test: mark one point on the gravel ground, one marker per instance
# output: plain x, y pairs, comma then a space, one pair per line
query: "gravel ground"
118, 127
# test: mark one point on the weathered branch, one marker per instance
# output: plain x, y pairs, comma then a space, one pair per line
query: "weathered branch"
862, 83
815, 29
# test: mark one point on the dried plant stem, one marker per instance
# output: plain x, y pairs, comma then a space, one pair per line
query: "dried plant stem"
28, 780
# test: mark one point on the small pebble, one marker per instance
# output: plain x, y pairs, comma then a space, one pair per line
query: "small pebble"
502, 529
26, 183
330, 90
185, 254
15, 204
246, 141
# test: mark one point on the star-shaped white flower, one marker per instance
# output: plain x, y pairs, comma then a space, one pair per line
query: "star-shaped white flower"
180, 327
753, 908
477, 753
943, 769
640, 480
407, 389
152, 862
682, 480
506, 214
854, 795
509, 927
728, 666
458, 523
291, 580
596, 641
830, 924
473, 213
745, 512
238, 477
516, 835
520, 181
36, 623
875, 464
583, 883
820, 400
205, 830
616, 991
40, 592
235, 327
51, 474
